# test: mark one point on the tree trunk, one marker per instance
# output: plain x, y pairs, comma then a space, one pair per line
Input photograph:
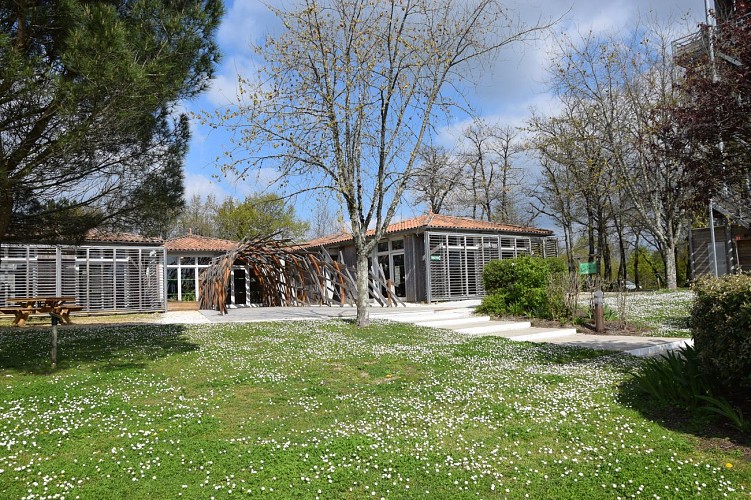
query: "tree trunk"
6, 211
636, 262
569, 242
670, 268
363, 316
591, 237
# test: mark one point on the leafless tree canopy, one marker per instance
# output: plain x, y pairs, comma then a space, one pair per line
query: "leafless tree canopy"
606, 164
348, 91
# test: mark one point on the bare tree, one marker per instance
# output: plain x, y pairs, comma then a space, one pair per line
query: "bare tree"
628, 87
570, 144
480, 168
325, 220
491, 180
507, 146
554, 197
348, 91
435, 176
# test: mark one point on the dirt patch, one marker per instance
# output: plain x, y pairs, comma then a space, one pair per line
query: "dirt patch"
611, 327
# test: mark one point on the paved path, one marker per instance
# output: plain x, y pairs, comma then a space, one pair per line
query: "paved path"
456, 316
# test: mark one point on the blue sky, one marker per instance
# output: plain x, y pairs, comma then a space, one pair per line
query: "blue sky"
505, 93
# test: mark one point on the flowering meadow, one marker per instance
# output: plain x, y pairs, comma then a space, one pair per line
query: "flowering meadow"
665, 313
326, 410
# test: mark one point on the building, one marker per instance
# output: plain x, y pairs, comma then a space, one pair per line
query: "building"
732, 246
428, 258
108, 272
119, 272
697, 45
187, 257
437, 257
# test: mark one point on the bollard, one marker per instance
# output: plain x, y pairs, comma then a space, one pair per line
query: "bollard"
599, 311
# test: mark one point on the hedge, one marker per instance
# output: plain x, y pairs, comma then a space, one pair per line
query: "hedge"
519, 286
721, 327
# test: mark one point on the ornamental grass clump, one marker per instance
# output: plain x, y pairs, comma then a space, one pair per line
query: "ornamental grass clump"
676, 379
721, 327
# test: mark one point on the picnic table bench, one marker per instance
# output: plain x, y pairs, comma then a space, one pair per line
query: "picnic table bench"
59, 307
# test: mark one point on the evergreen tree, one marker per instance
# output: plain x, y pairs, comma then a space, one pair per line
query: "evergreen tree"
89, 136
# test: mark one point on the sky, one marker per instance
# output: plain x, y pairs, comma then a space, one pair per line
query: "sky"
505, 93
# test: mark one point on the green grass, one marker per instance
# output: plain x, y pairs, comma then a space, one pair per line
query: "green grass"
322, 409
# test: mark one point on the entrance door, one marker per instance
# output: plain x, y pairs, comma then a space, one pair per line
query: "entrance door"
399, 275
240, 283
383, 261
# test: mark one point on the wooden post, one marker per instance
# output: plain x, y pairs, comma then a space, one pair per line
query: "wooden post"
53, 353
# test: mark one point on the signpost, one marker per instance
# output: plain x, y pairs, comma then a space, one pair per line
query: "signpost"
588, 268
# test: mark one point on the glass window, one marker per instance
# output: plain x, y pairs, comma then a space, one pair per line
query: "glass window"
204, 261
171, 260
172, 284
383, 246
399, 276
187, 261
397, 245
188, 284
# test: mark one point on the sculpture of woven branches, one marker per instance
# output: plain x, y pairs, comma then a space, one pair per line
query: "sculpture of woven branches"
287, 275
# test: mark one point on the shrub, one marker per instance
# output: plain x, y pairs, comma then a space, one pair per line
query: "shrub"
721, 327
520, 286
563, 295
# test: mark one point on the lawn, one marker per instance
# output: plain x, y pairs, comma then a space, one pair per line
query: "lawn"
322, 409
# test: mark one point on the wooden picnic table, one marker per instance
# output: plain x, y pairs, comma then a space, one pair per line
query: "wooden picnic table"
59, 307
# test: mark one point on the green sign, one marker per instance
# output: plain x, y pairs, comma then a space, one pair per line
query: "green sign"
435, 257
588, 268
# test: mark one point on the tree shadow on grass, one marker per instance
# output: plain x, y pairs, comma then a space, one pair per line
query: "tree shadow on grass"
98, 347
708, 426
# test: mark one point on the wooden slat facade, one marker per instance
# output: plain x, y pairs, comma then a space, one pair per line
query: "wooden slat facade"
733, 247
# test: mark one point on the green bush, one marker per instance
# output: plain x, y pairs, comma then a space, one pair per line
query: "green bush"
721, 327
519, 286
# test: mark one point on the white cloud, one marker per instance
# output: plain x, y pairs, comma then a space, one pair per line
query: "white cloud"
225, 89
244, 23
198, 184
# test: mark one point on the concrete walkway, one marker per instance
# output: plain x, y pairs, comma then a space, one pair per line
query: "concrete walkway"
456, 316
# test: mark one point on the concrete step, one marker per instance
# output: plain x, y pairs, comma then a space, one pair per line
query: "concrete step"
492, 327
449, 323
415, 317
636, 346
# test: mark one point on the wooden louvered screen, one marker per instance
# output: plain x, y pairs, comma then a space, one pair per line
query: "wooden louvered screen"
455, 262
101, 278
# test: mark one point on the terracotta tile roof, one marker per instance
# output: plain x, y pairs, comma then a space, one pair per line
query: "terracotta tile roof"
327, 240
196, 243
100, 236
435, 221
